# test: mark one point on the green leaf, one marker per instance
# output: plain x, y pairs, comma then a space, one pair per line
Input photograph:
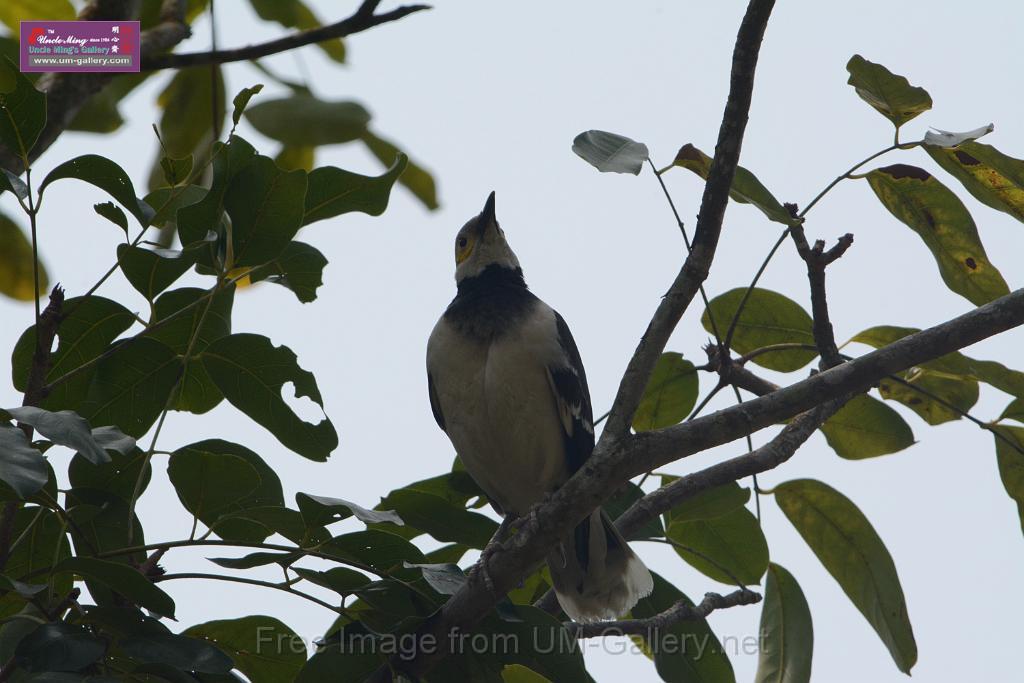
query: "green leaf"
176, 171
958, 394
65, 427
891, 95
22, 467
58, 647
100, 524
117, 477
787, 633
414, 178
297, 15
730, 545
1014, 411
273, 519
211, 480
22, 107
610, 152
179, 652
12, 12
334, 191
25, 590
321, 510
850, 549
266, 209
628, 494
263, 648
197, 219
446, 578
203, 323
956, 363
187, 101
708, 504
382, 551
241, 101
994, 178
113, 213
341, 580
768, 318
302, 120
299, 268
121, 578
292, 158
12, 183
44, 541
865, 428
257, 559
439, 518
688, 651
942, 221
106, 175
251, 371
131, 386
670, 394
167, 200
746, 188
85, 331
16, 277
152, 271
1010, 458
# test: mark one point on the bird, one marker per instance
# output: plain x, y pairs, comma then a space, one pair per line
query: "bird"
507, 385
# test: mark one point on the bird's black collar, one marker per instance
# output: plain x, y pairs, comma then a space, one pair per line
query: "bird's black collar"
492, 277
491, 303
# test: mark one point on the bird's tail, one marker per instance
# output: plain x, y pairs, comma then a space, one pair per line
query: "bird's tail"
596, 575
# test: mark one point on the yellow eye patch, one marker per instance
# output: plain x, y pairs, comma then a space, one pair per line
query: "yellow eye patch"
463, 247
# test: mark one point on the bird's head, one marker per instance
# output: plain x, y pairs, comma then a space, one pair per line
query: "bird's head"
481, 243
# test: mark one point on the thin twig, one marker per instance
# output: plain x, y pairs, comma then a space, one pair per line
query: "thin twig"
681, 611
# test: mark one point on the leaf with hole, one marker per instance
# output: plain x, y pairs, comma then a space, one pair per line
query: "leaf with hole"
768, 319
745, 189
299, 268
890, 94
865, 428
787, 633
251, 372
334, 191
610, 152
670, 394
852, 552
995, 179
943, 223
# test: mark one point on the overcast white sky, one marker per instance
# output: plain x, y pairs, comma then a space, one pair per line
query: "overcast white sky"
489, 96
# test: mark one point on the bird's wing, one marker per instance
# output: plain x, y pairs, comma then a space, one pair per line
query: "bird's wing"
435, 404
568, 382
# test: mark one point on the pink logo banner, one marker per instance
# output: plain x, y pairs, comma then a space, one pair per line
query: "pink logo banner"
83, 46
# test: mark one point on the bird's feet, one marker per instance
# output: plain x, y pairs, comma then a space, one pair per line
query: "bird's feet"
496, 540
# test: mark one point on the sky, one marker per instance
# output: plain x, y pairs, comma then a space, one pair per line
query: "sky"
489, 96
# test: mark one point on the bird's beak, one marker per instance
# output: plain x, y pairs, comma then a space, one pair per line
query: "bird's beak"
487, 217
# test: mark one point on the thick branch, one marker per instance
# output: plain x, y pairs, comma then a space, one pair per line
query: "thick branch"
615, 461
681, 611
817, 259
769, 456
360, 21
67, 93
709, 221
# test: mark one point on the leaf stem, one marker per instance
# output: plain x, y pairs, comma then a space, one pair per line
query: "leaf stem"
251, 582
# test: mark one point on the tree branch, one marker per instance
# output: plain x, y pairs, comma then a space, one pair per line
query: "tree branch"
817, 259
67, 93
680, 611
361, 20
709, 221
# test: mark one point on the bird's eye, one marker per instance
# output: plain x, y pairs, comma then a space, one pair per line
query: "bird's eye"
462, 242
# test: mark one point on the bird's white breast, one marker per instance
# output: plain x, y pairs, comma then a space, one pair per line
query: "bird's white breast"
498, 407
